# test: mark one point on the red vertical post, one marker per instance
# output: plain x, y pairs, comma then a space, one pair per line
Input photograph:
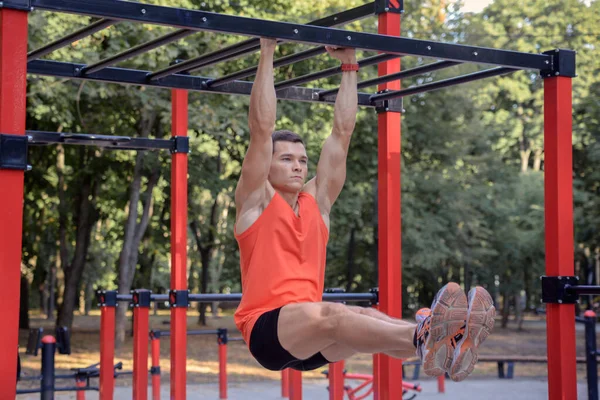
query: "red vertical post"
441, 380
336, 381
107, 351
13, 82
80, 383
179, 170
376, 376
155, 371
285, 383
222, 370
141, 309
390, 259
295, 377
558, 200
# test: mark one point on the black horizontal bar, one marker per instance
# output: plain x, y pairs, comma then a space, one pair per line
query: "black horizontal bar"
106, 141
443, 83
280, 62
134, 51
583, 289
188, 82
208, 297
124, 297
252, 45
398, 75
334, 20
208, 21
70, 38
332, 71
350, 296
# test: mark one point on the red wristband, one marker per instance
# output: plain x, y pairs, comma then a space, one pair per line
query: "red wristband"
350, 67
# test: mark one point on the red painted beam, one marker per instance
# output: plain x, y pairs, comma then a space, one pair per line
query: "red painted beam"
295, 377
558, 200
13, 82
140, 352
389, 379
336, 381
107, 352
179, 203
222, 371
155, 345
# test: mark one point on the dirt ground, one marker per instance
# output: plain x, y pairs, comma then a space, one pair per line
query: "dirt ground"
202, 352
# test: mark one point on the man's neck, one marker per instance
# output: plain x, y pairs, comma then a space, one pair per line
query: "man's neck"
290, 197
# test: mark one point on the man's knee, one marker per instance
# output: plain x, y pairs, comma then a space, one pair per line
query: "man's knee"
331, 315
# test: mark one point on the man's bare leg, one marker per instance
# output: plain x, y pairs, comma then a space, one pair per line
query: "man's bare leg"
307, 328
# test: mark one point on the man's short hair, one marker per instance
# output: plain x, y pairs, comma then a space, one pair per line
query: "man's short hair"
286, 136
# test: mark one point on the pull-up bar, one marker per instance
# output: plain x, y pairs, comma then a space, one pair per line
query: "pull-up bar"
67, 40
252, 45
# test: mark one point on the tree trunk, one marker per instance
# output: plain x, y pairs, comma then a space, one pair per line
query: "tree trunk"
24, 304
537, 159
74, 271
63, 207
505, 308
350, 260
206, 253
134, 232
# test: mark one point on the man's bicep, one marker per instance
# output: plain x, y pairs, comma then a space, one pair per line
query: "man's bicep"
255, 167
331, 171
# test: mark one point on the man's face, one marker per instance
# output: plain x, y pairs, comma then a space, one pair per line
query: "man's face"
289, 166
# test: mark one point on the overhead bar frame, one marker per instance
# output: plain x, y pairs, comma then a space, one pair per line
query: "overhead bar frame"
213, 22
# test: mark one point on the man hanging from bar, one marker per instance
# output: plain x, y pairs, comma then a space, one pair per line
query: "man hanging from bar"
282, 228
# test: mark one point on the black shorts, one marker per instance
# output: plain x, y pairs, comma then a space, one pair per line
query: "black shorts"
266, 349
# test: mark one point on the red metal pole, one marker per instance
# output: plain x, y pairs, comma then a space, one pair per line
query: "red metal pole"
285, 383
179, 169
140, 351
295, 384
375, 376
107, 352
336, 381
80, 383
390, 254
441, 380
222, 370
558, 199
13, 82
155, 345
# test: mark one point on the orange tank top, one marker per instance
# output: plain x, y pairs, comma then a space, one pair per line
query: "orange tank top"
282, 258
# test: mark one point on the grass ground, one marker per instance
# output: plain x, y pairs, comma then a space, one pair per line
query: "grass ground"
202, 351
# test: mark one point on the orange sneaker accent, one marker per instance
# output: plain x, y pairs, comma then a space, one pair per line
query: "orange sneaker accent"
480, 322
438, 334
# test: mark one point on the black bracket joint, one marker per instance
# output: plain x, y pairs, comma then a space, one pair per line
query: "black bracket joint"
561, 63
154, 335
13, 152
155, 370
181, 144
107, 298
222, 337
179, 298
24, 5
554, 289
141, 298
391, 105
375, 300
393, 6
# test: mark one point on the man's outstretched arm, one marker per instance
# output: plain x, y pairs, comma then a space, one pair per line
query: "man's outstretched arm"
261, 120
331, 170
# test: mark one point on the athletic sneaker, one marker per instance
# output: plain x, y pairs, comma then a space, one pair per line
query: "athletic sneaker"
480, 322
439, 329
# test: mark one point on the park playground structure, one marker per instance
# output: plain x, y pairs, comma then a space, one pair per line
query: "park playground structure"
556, 66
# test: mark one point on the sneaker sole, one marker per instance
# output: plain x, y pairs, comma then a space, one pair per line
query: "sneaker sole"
448, 315
480, 322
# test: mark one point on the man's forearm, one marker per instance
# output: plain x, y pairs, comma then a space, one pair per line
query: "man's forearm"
346, 105
263, 102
